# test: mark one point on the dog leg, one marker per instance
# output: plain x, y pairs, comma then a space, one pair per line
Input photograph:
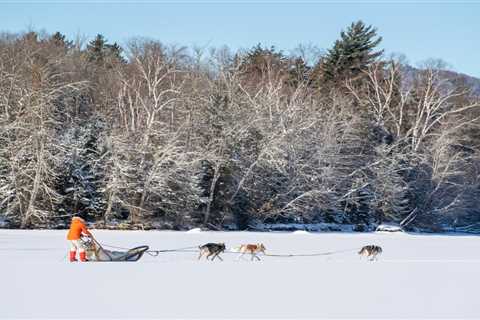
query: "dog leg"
201, 254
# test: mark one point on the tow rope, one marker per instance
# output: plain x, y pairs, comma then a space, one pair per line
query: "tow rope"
155, 253
311, 254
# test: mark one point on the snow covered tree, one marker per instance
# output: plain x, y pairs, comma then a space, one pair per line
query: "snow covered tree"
150, 173
31, 139
174, 139
7, 186
391, 195
82, 180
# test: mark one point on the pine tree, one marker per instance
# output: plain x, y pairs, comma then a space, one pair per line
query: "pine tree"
102, 53
60, 41
81, 179
96, 49
115, 51
352, 53
259, 61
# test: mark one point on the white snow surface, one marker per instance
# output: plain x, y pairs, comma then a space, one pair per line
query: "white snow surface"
194, 230
300, 232
417, 276
389, 228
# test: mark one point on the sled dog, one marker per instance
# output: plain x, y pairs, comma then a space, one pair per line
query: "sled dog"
370, 251
211, 250
253, 249
91, 249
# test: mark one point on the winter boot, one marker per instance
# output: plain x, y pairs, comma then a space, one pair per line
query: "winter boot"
83, 256
72, 256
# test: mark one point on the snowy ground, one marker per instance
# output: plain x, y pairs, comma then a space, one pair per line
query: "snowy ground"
418, 276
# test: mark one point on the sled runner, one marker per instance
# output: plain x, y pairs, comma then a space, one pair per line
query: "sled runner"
96, 253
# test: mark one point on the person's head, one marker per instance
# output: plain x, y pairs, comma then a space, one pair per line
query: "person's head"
77, 219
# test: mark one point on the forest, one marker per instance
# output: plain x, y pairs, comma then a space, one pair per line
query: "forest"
155, 136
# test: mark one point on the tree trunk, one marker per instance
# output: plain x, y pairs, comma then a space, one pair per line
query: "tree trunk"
33, 194
108, 211
216, 176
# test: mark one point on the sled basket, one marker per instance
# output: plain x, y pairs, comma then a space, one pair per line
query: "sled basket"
96, 253
131, 255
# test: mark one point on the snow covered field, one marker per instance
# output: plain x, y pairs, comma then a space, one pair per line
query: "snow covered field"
418, 276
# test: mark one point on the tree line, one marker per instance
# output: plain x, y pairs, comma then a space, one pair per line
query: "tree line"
164, 136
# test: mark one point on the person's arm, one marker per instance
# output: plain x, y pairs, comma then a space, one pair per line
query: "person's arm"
85, 230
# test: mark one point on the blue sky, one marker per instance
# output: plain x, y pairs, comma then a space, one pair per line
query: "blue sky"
447, 30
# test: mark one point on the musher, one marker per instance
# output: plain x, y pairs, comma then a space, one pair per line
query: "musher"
77, 229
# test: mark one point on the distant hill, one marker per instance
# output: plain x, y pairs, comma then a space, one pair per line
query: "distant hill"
469, 81
472, 82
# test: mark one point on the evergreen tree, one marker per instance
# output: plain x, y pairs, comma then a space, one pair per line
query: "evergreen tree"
102, 53
115, 51
96, 49
259, 61
352, 53
60, 41
81, 187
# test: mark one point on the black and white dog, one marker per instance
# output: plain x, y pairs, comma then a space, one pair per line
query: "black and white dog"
212, 250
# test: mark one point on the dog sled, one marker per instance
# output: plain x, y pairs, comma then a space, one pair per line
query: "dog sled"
96, 253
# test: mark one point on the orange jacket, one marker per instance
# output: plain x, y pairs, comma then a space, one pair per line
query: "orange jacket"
77, 228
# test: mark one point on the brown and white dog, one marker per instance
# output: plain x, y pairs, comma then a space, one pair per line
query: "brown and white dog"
253, 249
370, 251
